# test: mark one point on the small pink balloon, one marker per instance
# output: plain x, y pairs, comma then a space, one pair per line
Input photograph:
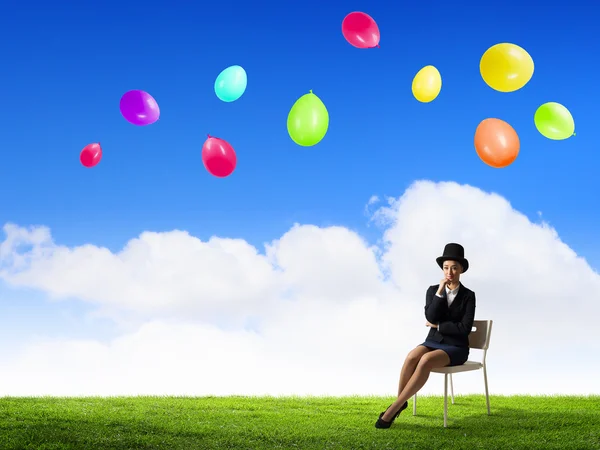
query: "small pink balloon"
91, 155
218, 157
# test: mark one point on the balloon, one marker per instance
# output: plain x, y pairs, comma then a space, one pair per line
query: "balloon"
496, 143
139, 108
308, 120
218, 157
554, 121
427, 84
506, 67
91, 155
231, 83
360, 30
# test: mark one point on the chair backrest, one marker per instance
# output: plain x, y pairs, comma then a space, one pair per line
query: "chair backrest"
480, 336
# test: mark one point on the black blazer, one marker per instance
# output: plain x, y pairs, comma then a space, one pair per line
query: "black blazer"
454, 322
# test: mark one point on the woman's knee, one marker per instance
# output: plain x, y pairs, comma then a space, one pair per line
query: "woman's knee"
433, 359
416, 355
425, 361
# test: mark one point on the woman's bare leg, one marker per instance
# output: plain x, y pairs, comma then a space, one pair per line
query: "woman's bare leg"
410, 364
429, 361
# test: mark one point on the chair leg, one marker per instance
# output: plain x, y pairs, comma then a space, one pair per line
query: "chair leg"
415, 405
445, 400
451, 389
487, 394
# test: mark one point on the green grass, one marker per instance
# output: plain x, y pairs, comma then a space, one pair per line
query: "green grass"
347, 423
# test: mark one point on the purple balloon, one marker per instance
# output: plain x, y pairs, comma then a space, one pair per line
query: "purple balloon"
139, 108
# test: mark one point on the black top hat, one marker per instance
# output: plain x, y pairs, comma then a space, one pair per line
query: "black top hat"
454, 252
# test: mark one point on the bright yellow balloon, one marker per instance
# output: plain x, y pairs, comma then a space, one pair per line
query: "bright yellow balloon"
506, 67
427, 84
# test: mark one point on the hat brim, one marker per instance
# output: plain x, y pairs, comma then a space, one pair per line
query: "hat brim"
463, 262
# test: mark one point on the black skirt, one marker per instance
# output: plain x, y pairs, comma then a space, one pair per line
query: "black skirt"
458, 355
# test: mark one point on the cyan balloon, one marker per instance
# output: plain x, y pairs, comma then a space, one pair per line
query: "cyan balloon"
231, 83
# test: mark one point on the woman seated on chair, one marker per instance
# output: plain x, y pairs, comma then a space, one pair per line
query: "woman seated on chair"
450, 311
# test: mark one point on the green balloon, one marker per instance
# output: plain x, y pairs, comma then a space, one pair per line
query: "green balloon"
554, 121
308, 120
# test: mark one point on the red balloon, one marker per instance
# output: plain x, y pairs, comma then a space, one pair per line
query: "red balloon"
218, 157
91, 155
360, 30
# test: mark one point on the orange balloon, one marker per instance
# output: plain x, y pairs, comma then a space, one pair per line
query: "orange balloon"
496, 143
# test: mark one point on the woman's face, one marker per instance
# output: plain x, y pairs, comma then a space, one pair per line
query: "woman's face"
452, 270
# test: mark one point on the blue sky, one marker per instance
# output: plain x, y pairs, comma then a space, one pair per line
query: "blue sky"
66, 66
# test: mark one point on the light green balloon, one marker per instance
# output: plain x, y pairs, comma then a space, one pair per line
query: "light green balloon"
554, 121
308, 120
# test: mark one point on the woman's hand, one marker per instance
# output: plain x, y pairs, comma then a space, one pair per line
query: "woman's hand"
429, 324
442, 286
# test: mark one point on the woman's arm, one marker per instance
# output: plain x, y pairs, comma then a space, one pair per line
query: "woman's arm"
463, 327
435, 307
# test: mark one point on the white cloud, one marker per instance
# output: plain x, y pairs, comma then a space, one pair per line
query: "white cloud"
328, 319
372, 201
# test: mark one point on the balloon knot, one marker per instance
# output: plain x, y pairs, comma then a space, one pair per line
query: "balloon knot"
310, 91
377, 46
208, 136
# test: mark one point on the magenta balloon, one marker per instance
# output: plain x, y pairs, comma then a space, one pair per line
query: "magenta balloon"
219, 157
139, 108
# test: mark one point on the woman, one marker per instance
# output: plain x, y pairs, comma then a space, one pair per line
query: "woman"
450, 311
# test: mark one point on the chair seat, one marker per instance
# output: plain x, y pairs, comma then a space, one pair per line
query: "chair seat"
469, 365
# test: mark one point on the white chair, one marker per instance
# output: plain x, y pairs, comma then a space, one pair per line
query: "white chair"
479, 339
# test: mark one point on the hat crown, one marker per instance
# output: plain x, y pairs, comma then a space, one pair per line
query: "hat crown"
454, 249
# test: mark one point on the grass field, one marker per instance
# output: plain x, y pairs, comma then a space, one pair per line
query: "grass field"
208, 423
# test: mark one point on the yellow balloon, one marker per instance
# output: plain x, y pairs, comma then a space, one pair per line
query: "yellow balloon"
506, 67
427, 84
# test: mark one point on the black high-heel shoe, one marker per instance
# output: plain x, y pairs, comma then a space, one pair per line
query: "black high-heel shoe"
384, 424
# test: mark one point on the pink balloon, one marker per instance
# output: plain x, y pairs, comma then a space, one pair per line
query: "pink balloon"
218, 157
360, 30
91, 155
